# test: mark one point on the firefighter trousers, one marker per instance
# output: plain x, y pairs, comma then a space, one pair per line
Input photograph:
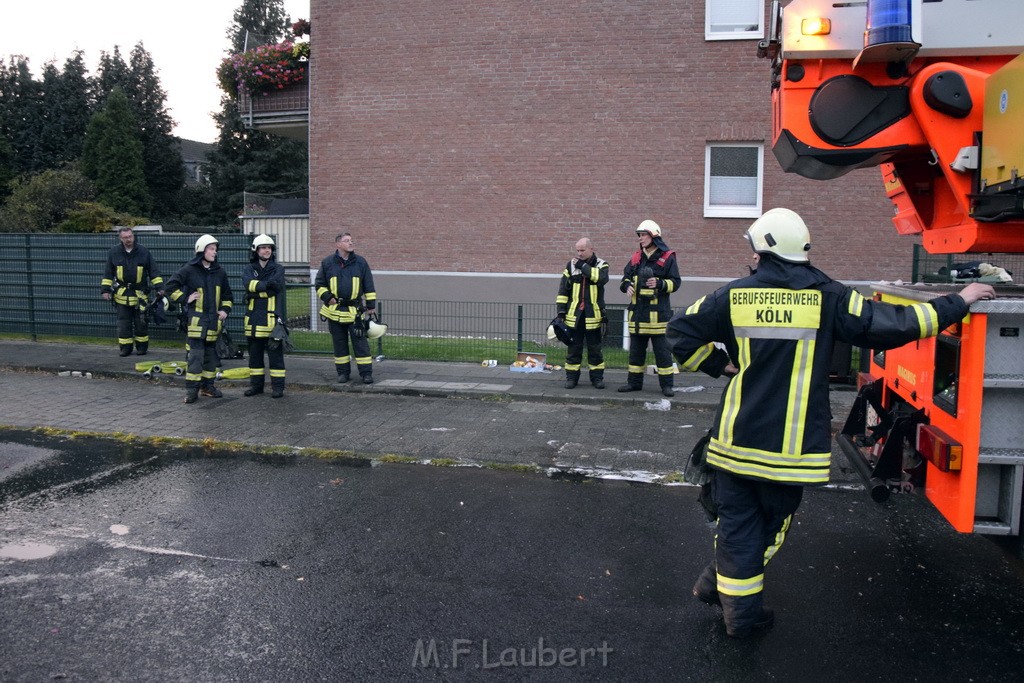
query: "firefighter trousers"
258, 346
754, 517
132, 328
202, 363
574, 354
340, 335
638, 357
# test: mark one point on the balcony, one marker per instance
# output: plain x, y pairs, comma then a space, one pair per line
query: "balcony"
283, 112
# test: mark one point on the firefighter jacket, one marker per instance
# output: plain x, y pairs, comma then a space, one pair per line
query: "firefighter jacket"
778, 326
347, 280
128, 273
214, 296
265, 295
581, 292
650, 309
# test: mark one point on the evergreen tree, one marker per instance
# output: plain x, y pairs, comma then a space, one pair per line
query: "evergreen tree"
7, 172
138, 80
20, 98
250, 160
264, 20
113, 157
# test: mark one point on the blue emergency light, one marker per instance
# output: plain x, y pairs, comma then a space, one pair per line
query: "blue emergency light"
889, 21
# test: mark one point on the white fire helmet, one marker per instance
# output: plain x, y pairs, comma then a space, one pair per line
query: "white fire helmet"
781, 232
650, 227
203, 242
262, 241
374, 329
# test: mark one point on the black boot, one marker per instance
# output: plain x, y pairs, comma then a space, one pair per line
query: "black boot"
255, 385
367, 378
209, 391
141, 348
343, 378
745, 615
277, 387
597, 379
666, 390
571, 379
126, 350
631, 387
706, 588
191, 391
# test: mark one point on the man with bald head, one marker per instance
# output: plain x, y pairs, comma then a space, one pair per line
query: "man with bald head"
580, 304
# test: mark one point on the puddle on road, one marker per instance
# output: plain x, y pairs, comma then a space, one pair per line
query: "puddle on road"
26, 551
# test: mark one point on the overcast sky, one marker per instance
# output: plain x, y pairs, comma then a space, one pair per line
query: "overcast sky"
186, 39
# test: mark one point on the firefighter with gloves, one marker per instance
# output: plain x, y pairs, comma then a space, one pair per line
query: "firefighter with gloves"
773, 435
265, 295
129, 275
343, 283
580, 304
202, 289
648, 279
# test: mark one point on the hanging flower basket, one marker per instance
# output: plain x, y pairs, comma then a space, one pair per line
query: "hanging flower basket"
264, 69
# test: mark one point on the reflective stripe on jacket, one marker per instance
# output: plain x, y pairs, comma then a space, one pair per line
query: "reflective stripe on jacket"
650, 309
347, 280
131, 271
776, 419
214, 296
581, 290
265, 291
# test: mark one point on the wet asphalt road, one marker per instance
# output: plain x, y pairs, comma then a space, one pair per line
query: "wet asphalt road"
167, 566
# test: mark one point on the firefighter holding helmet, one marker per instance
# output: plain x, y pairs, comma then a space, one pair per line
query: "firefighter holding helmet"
128, 277
201, 287
648, 279
580, 306
265, 296
773, 435
344, 284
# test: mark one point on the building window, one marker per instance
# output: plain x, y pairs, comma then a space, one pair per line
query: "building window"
733, 19
733, 180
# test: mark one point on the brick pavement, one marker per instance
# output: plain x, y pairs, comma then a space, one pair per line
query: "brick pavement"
535, 421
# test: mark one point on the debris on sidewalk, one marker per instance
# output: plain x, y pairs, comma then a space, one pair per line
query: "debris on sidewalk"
662, 405
75, 373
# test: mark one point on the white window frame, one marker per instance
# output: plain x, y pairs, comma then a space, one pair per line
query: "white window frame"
733, 210
737, 8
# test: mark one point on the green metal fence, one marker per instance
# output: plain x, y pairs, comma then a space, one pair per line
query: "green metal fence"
50, 286
50, 283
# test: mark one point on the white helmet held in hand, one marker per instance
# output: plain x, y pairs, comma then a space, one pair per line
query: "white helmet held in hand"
781, 232
650, 227
262, 241
374, 329
203, 242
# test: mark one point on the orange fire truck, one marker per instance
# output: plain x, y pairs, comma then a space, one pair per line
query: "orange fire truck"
932, 92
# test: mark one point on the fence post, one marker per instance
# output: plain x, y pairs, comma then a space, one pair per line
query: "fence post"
519, 328
31, 287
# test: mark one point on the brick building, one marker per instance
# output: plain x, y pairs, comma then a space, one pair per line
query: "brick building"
468, 145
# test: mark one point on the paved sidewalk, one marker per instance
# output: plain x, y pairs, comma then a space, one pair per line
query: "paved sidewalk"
457, 411
409, 378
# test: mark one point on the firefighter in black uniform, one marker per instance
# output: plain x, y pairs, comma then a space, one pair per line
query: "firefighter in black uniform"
343, 283
772, 436
265, 292
129, 275
648, 279
580, 303
202, 287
